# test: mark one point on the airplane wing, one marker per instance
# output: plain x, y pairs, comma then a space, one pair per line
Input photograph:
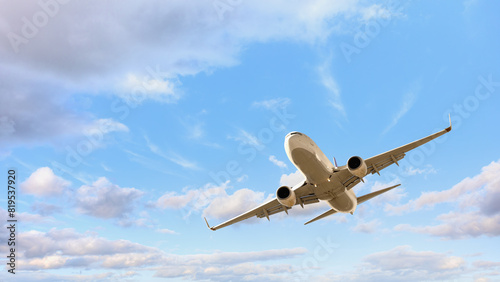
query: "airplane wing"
304, 195
361, 200
377, 163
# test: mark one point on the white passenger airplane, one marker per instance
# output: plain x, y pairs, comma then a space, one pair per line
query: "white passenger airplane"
324, 180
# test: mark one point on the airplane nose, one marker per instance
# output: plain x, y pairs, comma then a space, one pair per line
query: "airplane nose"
293, 133
292, 138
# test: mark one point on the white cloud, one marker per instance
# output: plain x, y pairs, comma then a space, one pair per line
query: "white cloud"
374, 12
163, 43
404, 262
230, 265
166, 231
392, 196
466, 190
105, 125
66, 249
137, 89
171, 200
367, 227
477, 202
226, 206
403, 258
329, 82
459, 225
104, 199
292, 179
43, 182
70, 243
277, 162
192, 199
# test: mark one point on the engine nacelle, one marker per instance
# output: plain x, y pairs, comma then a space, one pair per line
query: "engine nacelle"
357, 166
286, 196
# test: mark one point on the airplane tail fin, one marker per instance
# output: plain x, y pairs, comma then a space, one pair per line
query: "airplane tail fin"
361, 199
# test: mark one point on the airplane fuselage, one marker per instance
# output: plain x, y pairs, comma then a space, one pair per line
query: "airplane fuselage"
319, 172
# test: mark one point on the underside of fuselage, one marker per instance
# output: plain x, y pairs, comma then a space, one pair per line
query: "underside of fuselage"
319, 173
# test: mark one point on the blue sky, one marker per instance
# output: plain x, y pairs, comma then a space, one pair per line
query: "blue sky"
128, 123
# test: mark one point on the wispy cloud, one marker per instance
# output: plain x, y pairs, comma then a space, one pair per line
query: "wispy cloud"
173, 157
246, 137
166, 231
273, 104
277, 162
329, 82
408, 101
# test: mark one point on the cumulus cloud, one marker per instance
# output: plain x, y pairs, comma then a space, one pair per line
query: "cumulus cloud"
459, 225
43, 182
68, 242
488, 180
191, 199
367, 227
403, 261
104, 199
292, 179
226, 206
145, 58
230, 265
392, 196
476, 200
66, 248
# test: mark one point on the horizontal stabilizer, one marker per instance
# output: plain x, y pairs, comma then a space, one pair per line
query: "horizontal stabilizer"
367, 197
325, 214
361, 199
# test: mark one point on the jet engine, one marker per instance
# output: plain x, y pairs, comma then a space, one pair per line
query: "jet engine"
286, 196
357, 166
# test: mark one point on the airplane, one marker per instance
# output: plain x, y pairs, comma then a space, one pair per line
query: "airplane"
325, 181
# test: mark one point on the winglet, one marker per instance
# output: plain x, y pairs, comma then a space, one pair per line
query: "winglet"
211, 228
449, 128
